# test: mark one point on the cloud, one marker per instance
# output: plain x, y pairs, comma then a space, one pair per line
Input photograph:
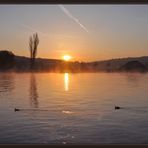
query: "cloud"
73, 18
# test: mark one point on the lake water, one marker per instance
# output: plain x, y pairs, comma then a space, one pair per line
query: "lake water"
73, 108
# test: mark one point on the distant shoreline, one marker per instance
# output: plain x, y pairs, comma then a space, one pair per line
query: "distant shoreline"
134, 65
92, 72
21, 64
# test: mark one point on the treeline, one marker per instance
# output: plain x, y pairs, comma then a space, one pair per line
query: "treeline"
10, 62
49, 65
7, 60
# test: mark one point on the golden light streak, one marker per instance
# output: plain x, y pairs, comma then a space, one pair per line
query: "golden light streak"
66, 81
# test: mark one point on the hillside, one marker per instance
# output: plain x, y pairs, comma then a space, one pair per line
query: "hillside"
22, 64
133, 66
116, 64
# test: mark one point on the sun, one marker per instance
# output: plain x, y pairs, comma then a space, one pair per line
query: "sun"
66, 57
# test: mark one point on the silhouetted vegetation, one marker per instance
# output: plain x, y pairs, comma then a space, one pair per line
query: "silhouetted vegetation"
133, 66
33, 44
7, 60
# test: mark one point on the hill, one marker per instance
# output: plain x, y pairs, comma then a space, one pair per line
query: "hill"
116, 64
133, 66
22, 64
54, 65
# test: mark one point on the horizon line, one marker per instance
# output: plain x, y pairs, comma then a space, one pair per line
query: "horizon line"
117, 58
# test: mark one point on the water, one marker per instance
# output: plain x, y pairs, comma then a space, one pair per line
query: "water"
73, 108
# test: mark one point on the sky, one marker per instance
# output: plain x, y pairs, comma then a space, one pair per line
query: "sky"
86, 32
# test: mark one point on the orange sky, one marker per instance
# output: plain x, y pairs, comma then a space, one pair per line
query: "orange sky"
85, 32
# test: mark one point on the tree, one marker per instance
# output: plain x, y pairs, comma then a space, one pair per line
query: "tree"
33, 44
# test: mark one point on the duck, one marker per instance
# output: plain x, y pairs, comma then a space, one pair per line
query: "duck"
117, 107
16, 109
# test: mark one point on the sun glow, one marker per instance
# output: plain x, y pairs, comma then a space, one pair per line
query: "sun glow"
66, 57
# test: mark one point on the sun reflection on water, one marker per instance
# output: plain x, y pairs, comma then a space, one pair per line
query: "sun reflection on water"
66, 81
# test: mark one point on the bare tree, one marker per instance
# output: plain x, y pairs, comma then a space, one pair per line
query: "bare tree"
33, 44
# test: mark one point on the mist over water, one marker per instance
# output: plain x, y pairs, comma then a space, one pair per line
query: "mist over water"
63, 108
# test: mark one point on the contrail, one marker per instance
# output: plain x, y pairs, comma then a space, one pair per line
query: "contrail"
72, 17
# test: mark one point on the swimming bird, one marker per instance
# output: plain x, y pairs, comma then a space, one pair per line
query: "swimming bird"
117, 107
16, 109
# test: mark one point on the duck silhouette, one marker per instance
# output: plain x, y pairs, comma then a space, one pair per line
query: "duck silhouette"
117, 107
16, 109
